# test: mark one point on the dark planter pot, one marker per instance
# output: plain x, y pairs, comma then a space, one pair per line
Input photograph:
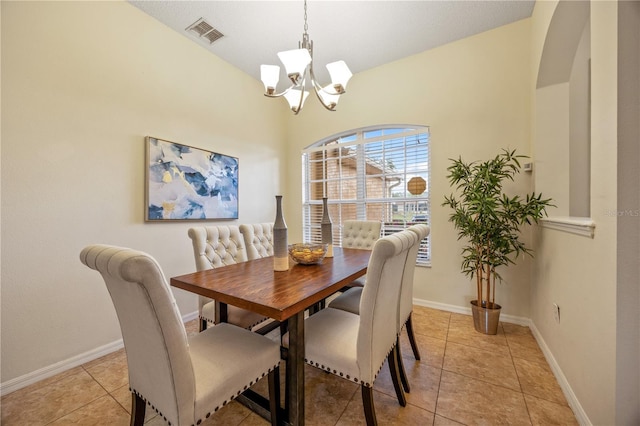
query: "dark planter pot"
486, 319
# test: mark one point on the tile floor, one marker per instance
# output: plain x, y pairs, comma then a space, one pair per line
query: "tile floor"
464, 378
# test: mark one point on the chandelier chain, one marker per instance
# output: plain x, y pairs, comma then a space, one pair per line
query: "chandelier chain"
306, 26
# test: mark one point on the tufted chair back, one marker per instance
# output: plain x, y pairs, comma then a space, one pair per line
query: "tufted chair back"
158, 356
379, 303
215, 246
258, 239
360, 234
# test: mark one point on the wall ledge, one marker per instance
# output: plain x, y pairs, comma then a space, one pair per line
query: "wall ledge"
583, 226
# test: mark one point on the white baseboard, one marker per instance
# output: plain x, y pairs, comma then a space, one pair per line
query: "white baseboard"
572, 400
467, 311
59, 367
67, 364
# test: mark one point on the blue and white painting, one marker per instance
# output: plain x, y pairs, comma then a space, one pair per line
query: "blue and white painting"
186, 183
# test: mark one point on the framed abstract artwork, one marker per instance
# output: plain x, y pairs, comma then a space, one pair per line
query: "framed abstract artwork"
187, 183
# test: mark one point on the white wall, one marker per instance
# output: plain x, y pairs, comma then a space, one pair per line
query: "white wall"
579, 273
88, 80
82, 84
628, 280
474, 93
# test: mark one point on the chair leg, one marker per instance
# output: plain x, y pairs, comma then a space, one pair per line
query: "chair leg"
412, 338
401, 370
137, 410
274, 395
369, 409
395, 377
203, 325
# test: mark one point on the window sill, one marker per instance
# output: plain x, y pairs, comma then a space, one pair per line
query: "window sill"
583, 226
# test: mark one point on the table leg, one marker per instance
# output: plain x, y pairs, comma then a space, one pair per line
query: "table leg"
221, 312
295, 371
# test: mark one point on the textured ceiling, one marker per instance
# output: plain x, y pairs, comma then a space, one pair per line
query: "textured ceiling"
364, 34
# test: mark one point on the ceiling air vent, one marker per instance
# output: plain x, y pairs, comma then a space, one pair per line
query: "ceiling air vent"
204, 30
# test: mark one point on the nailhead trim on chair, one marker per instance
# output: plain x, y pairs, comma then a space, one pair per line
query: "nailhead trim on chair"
225, 402
341, 374
248, 328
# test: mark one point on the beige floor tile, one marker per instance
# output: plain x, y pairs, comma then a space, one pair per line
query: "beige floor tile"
514, 329
474, 402
106, 358
112, 372
522, 343
443, 421
423, 310
525, 346
431, 349
326, 396
388, 412
254, 420
231, 414
102, 411
549, 413
122, 395
461, 331
424, 381
537, 379
481, 364
430, 323
44, 404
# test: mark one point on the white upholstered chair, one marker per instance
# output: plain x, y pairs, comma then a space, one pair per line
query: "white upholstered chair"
183, 379
258, 239
213, 247
350, 300
362, 235
354, 346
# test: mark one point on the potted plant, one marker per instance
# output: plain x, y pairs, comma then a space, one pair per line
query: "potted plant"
489, 220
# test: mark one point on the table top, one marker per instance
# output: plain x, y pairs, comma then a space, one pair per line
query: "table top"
255, 286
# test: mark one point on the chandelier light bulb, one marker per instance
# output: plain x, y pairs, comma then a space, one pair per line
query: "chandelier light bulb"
270, 74
295, 100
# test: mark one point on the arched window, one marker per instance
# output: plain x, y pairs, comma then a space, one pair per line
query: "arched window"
374, 173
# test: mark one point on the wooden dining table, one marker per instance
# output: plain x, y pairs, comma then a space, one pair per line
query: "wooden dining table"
283, 296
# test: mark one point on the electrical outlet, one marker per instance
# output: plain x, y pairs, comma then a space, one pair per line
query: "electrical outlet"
556, 312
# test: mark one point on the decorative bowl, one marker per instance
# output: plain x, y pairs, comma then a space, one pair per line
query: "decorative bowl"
307, 253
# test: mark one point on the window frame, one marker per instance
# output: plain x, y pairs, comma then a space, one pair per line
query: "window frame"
328, 173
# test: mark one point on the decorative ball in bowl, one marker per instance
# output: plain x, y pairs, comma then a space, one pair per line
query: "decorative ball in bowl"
308, 253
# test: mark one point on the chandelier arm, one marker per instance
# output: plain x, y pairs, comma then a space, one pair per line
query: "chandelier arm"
297, 110
284, 92
318, 86
315, 90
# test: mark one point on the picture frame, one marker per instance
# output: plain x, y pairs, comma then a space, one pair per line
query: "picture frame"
186, 183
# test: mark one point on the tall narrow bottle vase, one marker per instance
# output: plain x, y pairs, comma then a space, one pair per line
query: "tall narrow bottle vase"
280, 243
327, 228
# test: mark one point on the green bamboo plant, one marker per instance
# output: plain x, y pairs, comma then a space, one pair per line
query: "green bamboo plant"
489, 219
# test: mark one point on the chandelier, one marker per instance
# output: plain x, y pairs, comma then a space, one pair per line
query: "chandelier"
298, 63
